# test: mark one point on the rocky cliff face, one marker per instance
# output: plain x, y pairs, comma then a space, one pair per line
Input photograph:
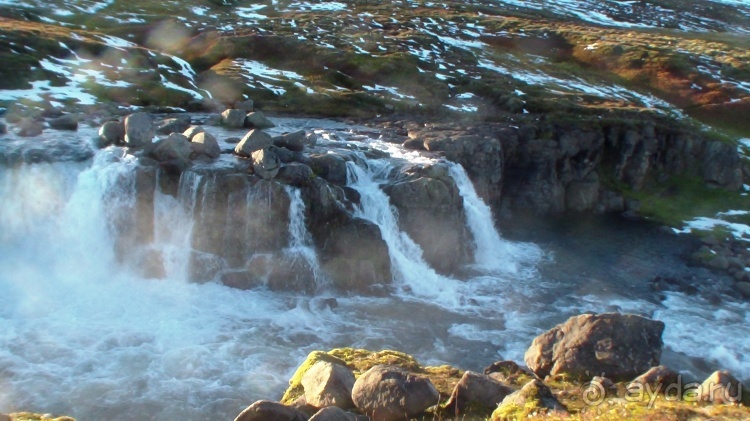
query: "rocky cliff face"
590, 164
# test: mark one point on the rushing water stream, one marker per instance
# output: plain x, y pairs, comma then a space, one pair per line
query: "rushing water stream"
84, 335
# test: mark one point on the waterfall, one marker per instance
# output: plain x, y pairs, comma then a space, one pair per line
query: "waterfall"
410, 271
300, 240
492, 253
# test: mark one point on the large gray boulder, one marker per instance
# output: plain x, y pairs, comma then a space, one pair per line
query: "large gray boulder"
173, 148
139, 130
267, 410
476, 391
254, 140
388, 393
354, 255
330, 167
205, 144
430, 210
294, 141
328, 384
295, 174
174, 125
65, 122
266, 164
258, 121
233, 119
111, 133
621, 346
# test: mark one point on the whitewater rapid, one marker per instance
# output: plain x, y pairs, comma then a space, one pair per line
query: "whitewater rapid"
84, 334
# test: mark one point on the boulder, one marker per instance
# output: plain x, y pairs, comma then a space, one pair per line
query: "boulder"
294, 141
191, 131
139, 130
295, 174
266, 164
431, 212
328, 384
111, 133
174, 125
203, 267
656, 378
721, 165
257, 120
333, 413
388, 393
254, 140
621, 346
175, 147
296, 390
534, 398
28, 127
267, 410
354, 255
3, 128
330, 167
311, 139
721, 387
246, 106
205, 144
233, 119
476, 391
66, 122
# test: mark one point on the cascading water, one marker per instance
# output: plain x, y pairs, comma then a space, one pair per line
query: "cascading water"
300, 242
492, 253
84, 332
410, 270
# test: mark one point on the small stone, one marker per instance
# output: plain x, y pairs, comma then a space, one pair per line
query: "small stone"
721, 387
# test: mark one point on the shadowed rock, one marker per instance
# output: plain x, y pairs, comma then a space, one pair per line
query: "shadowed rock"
480, 393
139, 130
534, 397
66, 122
258, 121
267, 411
111, 133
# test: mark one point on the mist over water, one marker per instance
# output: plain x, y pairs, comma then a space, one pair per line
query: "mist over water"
86, 334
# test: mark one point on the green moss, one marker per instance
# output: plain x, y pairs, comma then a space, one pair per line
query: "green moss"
684, 198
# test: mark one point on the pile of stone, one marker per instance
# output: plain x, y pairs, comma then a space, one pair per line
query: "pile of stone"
593, 350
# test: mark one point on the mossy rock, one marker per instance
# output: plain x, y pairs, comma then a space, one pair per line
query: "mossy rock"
295, 389
444, 378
